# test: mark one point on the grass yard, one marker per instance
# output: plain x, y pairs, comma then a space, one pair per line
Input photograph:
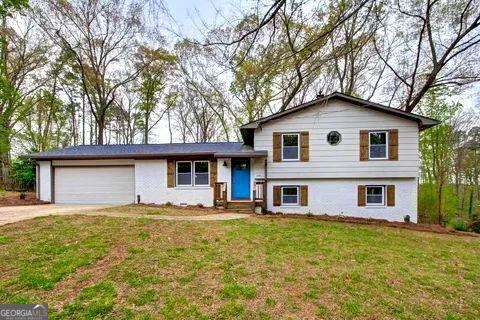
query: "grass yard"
260, 268
162, 210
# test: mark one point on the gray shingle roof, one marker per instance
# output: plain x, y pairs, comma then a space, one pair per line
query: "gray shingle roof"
150, 151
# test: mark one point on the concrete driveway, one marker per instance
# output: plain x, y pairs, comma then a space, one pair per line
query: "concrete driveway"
19, 213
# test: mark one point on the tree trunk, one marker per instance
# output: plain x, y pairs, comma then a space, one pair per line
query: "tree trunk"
440, 204
145, 133
169, 125
100, 132
83, 118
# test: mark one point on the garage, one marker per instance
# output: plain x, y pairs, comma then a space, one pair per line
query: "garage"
94, 185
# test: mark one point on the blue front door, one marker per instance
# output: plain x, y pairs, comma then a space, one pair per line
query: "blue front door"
240, 179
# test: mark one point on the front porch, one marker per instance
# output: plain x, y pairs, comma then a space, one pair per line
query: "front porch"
220, 198
241, 184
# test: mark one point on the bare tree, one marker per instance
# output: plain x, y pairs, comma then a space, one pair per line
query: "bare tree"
435, 43
102, 37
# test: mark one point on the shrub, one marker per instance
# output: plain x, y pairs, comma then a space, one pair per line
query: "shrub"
475, 226
406, 218
459, 224
169, 204
200, 205
23, 170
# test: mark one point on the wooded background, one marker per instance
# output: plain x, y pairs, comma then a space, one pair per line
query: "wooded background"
105, 72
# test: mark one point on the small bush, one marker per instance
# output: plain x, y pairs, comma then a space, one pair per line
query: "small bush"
169, 204
23, 170
475, 226
459, 224
406, 219
200, 205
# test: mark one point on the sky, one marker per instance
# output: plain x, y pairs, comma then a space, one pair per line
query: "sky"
190, 18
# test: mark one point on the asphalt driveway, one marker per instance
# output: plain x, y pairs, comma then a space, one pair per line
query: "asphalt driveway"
19, 213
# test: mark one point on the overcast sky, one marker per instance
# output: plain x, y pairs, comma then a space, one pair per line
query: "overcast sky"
189, 17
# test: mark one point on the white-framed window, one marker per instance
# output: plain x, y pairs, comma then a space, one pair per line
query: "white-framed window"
202, 173
290, 196
375, 195
193, 173
378, 146
290, 146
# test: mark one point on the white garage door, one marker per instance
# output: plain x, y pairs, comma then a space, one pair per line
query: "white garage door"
94, 185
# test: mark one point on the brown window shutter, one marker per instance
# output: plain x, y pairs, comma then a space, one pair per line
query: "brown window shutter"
277, 196
304, 143
277, 147
304, 196
361, 196
213, 173
363, 145
391, 195
393, 144
170, 173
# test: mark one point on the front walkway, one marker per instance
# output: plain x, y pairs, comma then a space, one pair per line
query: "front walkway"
19, 213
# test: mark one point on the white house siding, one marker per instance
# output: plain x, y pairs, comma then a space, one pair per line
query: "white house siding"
339, 197
45, 192
341, 161
151, 185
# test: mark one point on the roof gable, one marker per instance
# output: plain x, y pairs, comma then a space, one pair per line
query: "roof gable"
423, 122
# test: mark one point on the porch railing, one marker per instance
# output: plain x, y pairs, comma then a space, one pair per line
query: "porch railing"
259, 194
220, 194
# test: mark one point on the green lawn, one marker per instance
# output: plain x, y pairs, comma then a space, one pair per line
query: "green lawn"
259, 268
161, 210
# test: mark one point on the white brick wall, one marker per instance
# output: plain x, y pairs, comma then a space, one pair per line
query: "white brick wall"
45, 180
339, 197
151, 185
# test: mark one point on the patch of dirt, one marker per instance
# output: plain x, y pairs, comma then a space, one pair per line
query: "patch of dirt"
88, 275
12, 198
435, 228
163, 209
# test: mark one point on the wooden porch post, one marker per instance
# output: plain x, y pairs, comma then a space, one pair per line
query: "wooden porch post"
264, 204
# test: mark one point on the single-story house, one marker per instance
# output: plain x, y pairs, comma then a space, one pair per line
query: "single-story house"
336, 155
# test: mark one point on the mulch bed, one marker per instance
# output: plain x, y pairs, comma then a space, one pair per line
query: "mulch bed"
9, 200
435, 228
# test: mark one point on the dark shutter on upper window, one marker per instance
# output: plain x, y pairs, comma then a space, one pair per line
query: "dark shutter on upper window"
304, 144
361, 196
363, 145
277, 196
170, 174
277, 147
393, 144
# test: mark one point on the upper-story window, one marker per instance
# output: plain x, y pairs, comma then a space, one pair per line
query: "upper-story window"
290, 146
378, 148
192, 173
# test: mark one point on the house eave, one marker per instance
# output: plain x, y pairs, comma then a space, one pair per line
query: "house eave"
423, 122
